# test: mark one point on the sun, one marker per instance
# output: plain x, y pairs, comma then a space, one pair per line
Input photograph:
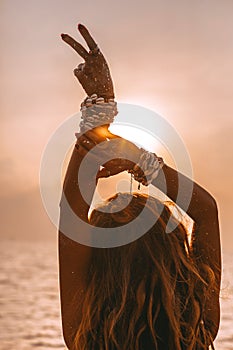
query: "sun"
142, 139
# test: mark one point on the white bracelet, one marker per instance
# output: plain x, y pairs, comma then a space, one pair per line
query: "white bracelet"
97, 111
147, 168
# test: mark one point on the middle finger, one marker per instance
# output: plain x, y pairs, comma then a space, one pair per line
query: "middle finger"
87, 36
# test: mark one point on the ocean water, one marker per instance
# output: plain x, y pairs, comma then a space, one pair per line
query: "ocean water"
29, 298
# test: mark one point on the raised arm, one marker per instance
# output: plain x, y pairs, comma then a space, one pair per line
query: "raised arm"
206, 241
74, 258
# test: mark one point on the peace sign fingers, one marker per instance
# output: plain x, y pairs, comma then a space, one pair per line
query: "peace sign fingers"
78, 47
75, 45
94, 74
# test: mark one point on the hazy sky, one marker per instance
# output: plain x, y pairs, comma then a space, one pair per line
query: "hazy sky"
172, 56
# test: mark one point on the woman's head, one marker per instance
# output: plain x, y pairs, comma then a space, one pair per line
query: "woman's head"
133, 215
145, 292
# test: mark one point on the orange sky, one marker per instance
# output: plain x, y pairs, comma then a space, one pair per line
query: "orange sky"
172, 56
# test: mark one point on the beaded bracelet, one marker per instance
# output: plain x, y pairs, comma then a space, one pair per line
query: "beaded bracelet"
147, 168
97, 111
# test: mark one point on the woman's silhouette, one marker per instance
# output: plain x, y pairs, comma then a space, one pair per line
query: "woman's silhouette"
159, 291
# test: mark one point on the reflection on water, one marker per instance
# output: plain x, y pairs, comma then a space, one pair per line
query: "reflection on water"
224, 339
29, 298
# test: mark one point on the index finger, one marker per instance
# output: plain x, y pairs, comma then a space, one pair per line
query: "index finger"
87, 36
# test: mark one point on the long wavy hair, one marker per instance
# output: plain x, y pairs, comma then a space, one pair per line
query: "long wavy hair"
148, 294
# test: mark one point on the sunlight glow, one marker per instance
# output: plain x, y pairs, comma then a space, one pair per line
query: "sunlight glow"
140, 137
143, 139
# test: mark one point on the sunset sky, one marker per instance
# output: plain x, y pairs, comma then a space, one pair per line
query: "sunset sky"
174, 57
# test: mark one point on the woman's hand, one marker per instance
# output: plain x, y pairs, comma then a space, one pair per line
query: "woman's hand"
93, 74
122, 153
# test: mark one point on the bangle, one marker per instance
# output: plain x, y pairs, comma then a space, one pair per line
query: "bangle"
97, 111
147, 168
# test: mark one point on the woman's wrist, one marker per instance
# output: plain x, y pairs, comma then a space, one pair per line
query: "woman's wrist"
97, 111
147, 167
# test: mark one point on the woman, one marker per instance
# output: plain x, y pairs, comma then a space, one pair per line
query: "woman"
158, 291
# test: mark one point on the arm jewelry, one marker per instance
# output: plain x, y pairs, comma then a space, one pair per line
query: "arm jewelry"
147, 168
97, 111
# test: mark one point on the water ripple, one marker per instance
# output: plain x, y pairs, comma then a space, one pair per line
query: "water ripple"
29, 298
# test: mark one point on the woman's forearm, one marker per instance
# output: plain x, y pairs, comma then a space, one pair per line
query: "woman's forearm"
72, 193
